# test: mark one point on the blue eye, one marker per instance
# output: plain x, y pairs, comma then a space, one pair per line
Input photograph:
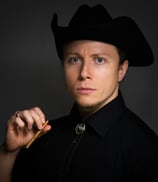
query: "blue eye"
74, 60
99, 60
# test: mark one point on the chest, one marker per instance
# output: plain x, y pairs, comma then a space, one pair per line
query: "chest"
71, 157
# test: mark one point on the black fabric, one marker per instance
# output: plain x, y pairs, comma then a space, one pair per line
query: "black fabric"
116, 146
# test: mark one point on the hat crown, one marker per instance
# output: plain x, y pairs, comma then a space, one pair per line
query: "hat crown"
90, 16
96, 24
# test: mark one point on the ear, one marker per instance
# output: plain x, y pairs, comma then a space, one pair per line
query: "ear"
122, 70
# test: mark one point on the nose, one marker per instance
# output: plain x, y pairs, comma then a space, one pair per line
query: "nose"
85, 71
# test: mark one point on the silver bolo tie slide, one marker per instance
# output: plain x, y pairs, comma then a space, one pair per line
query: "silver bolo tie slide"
80, 128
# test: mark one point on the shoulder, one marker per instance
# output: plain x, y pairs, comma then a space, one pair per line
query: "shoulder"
135, 133
131, 122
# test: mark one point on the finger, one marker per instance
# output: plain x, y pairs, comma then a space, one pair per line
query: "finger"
40, 113
15, 121
38, 118
27, 118
46, 128
32, 117
19, 122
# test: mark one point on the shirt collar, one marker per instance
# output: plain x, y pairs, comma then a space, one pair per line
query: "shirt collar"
105, 118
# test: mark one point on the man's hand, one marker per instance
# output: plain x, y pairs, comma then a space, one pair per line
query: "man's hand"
22, 126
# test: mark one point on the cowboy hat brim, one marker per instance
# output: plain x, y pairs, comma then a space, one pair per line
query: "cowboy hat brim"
122, 32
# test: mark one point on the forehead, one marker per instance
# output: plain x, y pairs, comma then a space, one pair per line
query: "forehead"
88, 46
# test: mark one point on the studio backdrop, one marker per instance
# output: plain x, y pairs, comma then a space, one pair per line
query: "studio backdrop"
31, 73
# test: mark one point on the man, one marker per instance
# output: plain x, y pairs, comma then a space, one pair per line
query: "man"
101, 139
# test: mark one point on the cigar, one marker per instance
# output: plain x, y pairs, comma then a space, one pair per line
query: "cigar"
36, 135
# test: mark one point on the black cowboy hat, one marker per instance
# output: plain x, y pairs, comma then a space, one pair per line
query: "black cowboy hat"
95, 23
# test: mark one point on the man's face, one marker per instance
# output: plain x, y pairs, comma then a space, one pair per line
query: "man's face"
92, 72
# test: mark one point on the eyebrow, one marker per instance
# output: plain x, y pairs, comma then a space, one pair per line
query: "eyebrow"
100, 54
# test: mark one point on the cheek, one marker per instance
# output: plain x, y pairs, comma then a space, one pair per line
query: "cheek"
69, 78
107, 80
110, 75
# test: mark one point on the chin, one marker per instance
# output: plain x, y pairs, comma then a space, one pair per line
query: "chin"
85, 103
88, 105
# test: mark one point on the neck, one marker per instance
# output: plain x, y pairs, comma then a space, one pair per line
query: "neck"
86, 111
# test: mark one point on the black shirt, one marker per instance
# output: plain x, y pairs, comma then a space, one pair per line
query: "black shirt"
115, 146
